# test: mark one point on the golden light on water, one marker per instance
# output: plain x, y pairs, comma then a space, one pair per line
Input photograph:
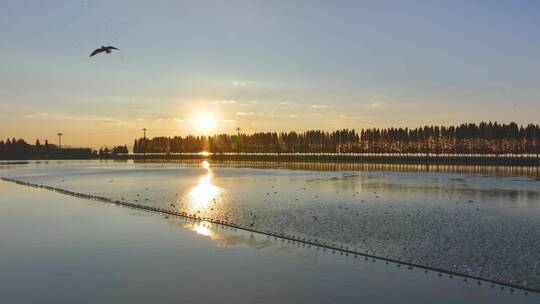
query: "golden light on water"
202, 229
204, 194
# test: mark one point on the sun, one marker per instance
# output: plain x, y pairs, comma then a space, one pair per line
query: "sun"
205, 123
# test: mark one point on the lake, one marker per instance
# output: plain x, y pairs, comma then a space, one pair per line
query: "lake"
479, 221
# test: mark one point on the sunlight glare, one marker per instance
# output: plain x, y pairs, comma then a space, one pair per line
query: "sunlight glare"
201, 229
203, 194
205, 123
205, 164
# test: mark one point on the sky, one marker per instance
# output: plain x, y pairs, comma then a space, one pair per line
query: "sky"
262, 65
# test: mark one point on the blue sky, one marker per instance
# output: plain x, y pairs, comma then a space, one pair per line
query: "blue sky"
261, 65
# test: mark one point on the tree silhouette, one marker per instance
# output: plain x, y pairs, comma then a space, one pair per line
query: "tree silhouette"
20, 149
469, 138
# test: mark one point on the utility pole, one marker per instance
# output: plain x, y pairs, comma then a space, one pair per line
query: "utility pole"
534, 139
271, 143
321, 143
60, 140
339, 147
144, 140
238, 140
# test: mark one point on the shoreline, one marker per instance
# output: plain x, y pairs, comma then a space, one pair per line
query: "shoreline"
309, 243
525, 161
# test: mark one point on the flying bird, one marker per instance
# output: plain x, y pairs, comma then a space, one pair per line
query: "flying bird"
106, 49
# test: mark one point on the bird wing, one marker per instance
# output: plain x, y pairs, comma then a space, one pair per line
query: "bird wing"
112, 48
96, 51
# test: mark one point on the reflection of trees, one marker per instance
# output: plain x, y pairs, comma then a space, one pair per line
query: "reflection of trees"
483, 138
444, 189
533, 172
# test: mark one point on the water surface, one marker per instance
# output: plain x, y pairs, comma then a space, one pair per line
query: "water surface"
61, 249
481, 221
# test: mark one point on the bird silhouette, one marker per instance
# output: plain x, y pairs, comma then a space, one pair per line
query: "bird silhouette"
106, 49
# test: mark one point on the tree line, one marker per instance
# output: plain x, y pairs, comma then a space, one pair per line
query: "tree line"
19, 149
469, 138
104, 152
482, 138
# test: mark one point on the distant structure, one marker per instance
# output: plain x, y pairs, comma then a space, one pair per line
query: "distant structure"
106, 49
144, 138
238, 140
144, 132
59, 140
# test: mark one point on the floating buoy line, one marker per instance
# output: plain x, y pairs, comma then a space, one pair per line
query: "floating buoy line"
284, 237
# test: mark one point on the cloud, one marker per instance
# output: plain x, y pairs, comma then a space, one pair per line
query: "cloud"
321, 106
376, 104
245, 113
111, 121
167, 119
243, 83
73, 117
228, 121
123, 98
351, 114
235, 103
249, 83
291, 104
36, 115
224, 101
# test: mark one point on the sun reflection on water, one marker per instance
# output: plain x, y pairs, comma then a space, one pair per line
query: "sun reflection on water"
227, 237
203, 230
201, 197
205, 164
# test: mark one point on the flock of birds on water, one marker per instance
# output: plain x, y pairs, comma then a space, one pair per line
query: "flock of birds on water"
289, 238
